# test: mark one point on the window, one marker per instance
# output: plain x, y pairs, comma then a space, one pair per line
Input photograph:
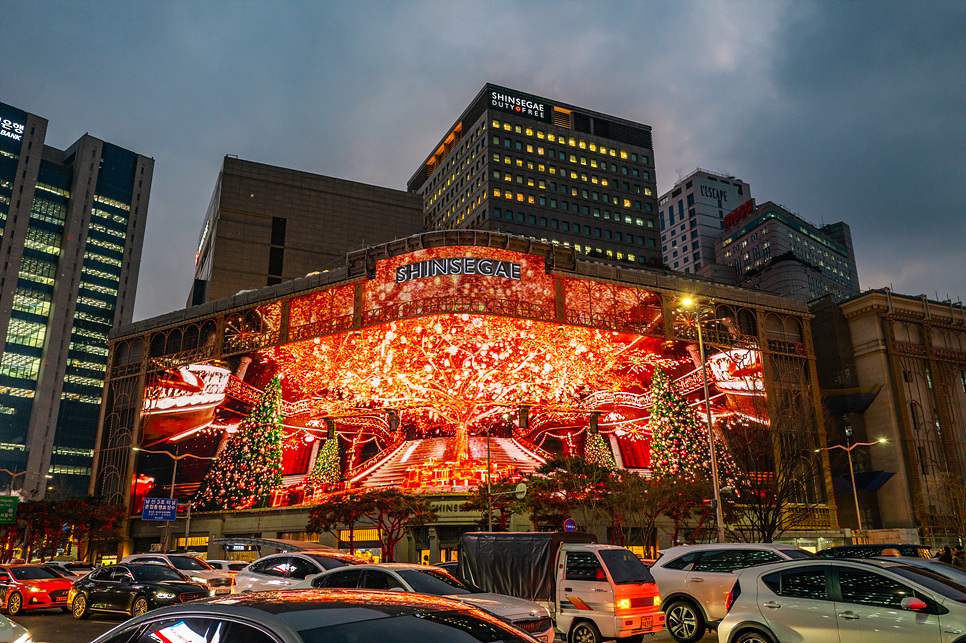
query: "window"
380, 580
868, 588
722, 560
803, 582
348, 578
301, 568
584, 566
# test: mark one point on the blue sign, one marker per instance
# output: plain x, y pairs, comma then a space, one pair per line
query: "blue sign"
160, 509
570, 525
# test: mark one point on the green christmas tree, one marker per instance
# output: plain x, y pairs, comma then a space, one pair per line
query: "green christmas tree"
596, 451
250, 464
679, 440
326, 470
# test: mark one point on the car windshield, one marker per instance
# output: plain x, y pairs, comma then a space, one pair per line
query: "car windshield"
428, 581
798, 554
625, 567
935, 582
33, 573
156, 573
188, 563
451, 627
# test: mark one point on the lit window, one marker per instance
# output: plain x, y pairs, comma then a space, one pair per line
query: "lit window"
540, 133
529, 132
623, 154
496, 123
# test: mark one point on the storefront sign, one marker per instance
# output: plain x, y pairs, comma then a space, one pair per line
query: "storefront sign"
457, 266
517, 105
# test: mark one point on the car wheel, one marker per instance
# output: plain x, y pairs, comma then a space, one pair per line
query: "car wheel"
584, 632
684, 622
753, 636
15, 604
79, 607
140, 606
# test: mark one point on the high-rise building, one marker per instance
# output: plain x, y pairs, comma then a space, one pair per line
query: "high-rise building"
72, 224
269, 224
692, 216
538, 168
773, 250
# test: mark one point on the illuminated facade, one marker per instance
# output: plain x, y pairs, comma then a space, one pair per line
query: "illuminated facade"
557, 173
404, 361
72, 225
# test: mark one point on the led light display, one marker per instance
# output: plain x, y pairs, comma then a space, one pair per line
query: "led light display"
441, 367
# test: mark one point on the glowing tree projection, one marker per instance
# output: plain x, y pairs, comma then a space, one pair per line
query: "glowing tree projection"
326, 470
464, 371
597, 452
250, 464
679, 443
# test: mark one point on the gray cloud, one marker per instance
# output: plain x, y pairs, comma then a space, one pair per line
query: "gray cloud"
841, 111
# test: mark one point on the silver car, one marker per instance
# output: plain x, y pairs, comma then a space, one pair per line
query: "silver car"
854, 601
421, 579
281, 571
694, 581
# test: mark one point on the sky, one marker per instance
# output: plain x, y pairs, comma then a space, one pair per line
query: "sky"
838, 110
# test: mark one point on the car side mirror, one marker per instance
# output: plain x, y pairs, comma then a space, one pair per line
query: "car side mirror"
913, 604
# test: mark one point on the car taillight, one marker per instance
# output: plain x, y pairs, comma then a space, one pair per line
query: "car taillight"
732, 596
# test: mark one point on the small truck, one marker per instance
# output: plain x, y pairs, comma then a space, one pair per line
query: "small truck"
593, 592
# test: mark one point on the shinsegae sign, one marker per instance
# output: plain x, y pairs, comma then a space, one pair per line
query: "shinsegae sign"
457, 266
517, 104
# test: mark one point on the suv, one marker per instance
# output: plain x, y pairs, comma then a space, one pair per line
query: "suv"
872, 551
694, 581
281, 571
855, 600
197, 570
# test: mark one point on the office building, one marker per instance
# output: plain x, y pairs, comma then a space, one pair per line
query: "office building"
268, 224
692, 217
773, 250
893, 367
548, 171
72, 225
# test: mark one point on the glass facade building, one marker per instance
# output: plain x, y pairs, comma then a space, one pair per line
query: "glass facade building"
72, 225
548, 171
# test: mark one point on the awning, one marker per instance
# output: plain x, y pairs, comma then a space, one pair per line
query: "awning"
849, 400
281, 544
864, 481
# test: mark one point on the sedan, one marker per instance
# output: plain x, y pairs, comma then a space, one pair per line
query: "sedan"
858, 601
133, 589
27, 587
312, 616
420, 579
281, 571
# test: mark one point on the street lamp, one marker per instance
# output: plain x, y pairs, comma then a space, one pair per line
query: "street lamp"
687, 302
174, 475
848, 449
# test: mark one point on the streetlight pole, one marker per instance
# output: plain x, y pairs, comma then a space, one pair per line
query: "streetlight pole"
489, 494
719, 516
848, 449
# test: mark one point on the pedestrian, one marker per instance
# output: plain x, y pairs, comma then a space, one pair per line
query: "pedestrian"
946, 555
959, 557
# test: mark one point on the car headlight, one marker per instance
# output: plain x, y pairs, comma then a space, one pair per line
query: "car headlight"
39, 590
199, 579
165, 594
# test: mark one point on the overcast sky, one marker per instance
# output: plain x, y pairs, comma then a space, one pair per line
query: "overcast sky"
840, 111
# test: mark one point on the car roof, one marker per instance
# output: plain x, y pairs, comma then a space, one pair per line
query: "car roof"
879, 545
701, 546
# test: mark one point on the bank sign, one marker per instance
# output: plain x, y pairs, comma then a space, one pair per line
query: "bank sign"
518, 105
457, 266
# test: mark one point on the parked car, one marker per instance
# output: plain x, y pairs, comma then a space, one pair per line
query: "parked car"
11, 632
28, 587
421, 579
281, 571
871, 551
133, 588
854, 600
953, 573
197, 570
313, 616
230, 566
694, 580
71, 568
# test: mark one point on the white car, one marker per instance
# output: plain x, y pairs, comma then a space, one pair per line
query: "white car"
421, 579
850, 600
217, 581
281, 571
230, 566
11, 632
694, 580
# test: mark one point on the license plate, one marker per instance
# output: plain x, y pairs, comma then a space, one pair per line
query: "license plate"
646, 623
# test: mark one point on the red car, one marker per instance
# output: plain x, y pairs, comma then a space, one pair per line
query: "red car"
27, 587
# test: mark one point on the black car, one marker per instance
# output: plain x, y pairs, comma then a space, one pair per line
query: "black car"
132, 588
872, 551
319, 616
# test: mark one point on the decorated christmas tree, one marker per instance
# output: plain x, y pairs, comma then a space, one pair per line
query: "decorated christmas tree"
679, 439
596, 451
250, 464
326, 470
